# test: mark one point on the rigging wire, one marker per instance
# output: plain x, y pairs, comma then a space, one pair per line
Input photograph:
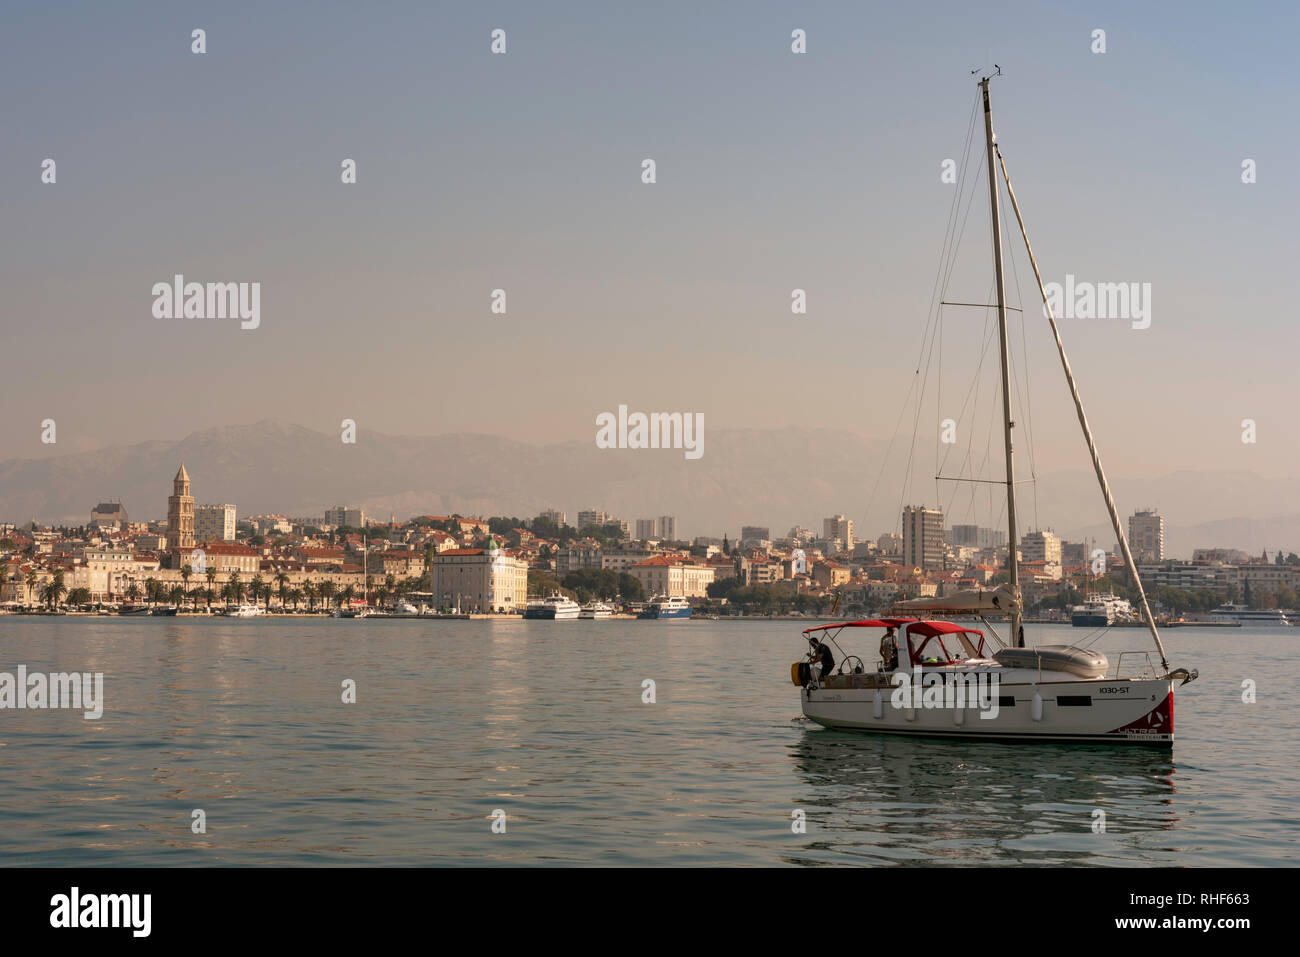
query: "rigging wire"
944, 253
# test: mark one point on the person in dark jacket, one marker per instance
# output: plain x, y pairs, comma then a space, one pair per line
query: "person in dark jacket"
822, 655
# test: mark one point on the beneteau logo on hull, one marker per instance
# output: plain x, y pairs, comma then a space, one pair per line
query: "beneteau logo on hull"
658, 430
947, 690
179, 299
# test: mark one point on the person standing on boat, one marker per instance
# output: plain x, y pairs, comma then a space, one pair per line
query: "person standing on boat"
889, 650
822, 653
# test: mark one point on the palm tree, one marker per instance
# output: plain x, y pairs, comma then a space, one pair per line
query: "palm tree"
282, 581
54, 590
133, 592
237, 588
349, 593
186, 572
211, 575
176, 595
327, 590
79, 596
310, 591
295, 596
257, 586
31, 583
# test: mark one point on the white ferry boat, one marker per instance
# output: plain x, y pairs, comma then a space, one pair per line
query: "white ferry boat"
1253, 617
243, 611
595, 609
665, 607
1102, 611
555, 607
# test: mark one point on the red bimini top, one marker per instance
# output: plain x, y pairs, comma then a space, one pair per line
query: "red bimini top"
918, 626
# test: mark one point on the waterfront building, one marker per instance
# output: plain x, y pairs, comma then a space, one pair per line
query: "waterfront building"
673, 577
480, 579
228, 557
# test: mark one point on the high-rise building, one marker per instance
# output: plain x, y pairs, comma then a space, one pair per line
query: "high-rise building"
214, 522
556, 516
840, 528
342, 515
922, 536
646, 528
1146, 536
755, 533
975, 535
180, 513
668, 527
1041, 546
591, 516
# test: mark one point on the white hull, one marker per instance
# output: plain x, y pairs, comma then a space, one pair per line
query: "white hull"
1102, 710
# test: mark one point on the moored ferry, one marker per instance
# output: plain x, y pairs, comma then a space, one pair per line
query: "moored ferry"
595, 609
1102, 611
1254, 617
664, 607
555, 607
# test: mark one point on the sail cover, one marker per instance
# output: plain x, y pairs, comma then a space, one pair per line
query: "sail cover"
998, 601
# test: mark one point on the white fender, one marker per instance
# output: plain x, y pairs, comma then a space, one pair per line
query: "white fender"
958, 716
1036, 709
878, 706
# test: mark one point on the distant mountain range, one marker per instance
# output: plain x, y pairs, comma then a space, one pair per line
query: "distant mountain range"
776, 478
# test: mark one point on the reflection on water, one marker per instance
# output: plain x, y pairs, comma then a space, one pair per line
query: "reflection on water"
546, 721
902, 799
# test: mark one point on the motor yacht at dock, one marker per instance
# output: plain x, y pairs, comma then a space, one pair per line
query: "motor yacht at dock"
554, 607
663, 607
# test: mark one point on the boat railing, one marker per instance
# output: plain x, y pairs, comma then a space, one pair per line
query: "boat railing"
1140, 661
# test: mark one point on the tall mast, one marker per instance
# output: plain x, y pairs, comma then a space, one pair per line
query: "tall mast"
1116, 524
1017, 638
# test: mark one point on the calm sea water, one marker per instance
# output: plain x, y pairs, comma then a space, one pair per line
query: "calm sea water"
545, 721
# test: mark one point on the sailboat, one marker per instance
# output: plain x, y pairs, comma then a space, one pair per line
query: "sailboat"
941, 678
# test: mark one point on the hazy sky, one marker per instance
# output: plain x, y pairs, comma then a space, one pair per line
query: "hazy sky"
522, 171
